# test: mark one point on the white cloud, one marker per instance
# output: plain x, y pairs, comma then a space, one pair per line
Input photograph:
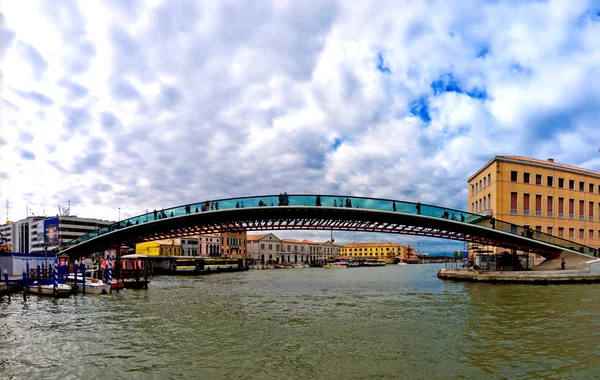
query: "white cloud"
154, 104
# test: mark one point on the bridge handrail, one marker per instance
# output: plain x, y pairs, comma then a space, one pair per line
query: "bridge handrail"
315, 200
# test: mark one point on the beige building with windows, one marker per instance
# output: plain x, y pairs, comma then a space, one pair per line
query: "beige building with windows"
549, 197
386, 251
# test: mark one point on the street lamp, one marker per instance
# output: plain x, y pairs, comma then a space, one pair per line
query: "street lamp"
119, 214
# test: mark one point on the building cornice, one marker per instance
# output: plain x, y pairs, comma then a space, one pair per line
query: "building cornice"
540, 164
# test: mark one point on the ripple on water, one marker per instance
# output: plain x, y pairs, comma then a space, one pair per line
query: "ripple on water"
391, 322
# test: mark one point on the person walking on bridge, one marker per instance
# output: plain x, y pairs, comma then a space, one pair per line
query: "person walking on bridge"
562, 264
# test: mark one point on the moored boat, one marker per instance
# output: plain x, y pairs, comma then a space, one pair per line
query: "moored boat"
336, 265
92, 285
46, 288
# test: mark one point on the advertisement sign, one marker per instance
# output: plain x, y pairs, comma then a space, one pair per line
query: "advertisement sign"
51, 231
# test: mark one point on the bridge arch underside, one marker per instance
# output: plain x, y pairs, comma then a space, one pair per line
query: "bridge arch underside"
311, 218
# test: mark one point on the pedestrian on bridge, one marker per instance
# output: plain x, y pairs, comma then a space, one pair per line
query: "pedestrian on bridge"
562, 264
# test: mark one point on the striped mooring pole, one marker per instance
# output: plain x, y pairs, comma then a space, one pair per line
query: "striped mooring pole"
55, 277
109, 264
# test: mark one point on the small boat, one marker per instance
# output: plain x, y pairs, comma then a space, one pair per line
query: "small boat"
337, 265
46, 288
353, 264
92, 285
402, 263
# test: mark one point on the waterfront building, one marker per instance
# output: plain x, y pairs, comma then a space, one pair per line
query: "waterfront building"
264, 247
328, 251
234, 243
295, 251
189, 245
543, 195
376, 250
210, 245
7, 233
165, 247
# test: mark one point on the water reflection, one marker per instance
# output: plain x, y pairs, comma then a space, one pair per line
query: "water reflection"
392, 322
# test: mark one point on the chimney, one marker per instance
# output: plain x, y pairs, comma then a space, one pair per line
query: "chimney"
551, 160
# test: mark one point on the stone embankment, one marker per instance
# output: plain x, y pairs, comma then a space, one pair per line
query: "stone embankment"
537, 277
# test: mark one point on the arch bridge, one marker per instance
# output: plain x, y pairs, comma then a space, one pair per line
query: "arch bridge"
322, 212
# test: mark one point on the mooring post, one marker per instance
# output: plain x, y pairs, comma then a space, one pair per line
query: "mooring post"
6, 281
83, 274
24, 285
75, 268
109, 266
55, 278
39, 278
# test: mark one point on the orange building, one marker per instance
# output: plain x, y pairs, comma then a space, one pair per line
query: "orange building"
549, 197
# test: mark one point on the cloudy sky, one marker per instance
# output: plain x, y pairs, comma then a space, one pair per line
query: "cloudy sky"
153, 104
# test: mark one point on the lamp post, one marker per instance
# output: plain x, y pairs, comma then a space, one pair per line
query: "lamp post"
119, 214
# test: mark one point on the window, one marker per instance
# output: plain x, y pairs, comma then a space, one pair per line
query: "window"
581, 210
513, 176
550, 181
526, 178
538, 228
561, 207
476, 186
561, 183
538, 179
473, 208
591, 187
561, 232
550, 207
513, 203
484, 181
581, 186
262, 246
538, 205
571, 184
489, 179
550, 230
571, 208
472, 189
572, 233
591, 211
581, 233
270, 247
591, 234
526, 204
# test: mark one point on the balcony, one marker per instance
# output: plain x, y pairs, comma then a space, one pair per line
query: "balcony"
487, 212
571, 216
526, 213
581, 217
514, 211
591, 218
550, 214
561, 214
538, 213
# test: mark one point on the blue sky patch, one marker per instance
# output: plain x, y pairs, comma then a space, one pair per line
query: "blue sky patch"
420, 108
446, 83
483, 52
337, 142
381, 64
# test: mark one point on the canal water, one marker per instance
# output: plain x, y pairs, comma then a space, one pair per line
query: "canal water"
393, 322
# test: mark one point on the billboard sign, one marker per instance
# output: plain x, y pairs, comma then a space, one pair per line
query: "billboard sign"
51, 231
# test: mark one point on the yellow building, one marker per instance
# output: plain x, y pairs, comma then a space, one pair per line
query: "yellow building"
385, 251
546, 196
158, 248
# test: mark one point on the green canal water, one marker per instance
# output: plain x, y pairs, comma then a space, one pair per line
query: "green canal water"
394, 322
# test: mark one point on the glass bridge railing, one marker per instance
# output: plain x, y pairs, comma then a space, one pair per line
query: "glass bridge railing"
333, 201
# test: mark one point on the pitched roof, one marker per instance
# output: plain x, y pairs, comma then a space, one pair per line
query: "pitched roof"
256, 237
